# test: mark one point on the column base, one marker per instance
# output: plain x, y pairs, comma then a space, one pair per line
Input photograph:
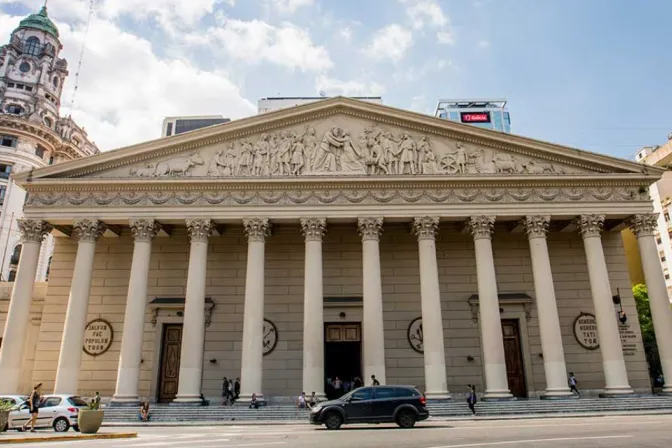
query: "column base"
187, 400
667, 391
498, 395
618, 392
125, 401
558, 394
438, 396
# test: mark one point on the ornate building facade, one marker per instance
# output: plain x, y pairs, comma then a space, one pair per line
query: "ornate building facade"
335, 239
32, 132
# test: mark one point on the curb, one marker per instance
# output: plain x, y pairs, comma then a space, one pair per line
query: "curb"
431, 419
65, 438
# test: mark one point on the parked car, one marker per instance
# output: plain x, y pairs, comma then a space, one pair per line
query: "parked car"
403, 405
13, 399
56, 411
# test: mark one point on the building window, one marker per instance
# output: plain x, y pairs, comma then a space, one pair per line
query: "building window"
659, 240
667, 276
12, 276
24, 67
55, 81
16, 255
5, 171
14, 109
9, 140
51, 160
3, 190
48, 122
169, 130
39, 151
667, 216
33, 46
48, 268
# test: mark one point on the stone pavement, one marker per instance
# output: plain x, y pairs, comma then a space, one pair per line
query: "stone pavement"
49, 436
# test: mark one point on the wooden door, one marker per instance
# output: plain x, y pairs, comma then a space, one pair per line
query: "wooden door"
515, 367
169, 372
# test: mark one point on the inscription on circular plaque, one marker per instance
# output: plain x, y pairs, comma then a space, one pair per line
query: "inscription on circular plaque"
585, 331
415, 335
270, 337
98, 337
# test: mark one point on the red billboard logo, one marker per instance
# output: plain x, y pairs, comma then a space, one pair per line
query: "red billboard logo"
475, 117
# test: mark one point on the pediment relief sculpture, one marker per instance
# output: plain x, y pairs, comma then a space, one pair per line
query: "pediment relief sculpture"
342, 148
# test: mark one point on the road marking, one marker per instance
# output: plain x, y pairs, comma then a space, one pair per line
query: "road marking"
515, 442
476, 425
257, 444
163, 443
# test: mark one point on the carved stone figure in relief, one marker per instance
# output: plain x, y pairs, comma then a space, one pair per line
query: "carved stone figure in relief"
391, 152
408, 155
427, 163
178, 166
246, 162
148, 171
298, 157
229, 163
260, 156
284, 153
328, 156
482, 166
310, 146
506, 163
214, 167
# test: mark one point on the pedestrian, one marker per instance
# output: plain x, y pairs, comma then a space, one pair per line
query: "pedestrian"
95, 403
374, 381
301, 401
254, 403
236, 389
471, 398
144, 411
34, 401
313, 400
358, 383
338, 387
573, 383
225, 388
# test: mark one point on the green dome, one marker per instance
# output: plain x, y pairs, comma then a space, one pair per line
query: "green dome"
40, 21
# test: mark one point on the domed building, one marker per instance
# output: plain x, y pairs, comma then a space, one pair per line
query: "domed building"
33, 134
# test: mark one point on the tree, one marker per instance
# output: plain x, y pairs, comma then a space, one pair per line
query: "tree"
648, 334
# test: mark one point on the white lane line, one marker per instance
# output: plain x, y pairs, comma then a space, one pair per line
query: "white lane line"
608, 423
166, 443
516, 442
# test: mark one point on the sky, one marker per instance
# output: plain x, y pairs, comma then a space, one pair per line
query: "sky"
591, 74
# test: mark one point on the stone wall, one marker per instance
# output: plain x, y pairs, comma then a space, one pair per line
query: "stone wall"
342, 278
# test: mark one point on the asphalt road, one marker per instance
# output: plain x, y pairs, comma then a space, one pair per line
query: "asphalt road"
594, 432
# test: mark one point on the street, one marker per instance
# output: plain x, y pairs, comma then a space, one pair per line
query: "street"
594, 432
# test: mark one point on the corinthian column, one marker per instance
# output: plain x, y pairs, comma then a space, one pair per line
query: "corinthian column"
313, 307
257, 230
615, 374
372, 329
128, 375
549, 322
87, 233
644, 227
18, 316
496, 380
193, 336
436, 386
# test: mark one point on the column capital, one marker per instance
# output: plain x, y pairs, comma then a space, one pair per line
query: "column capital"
644, 224
426, 227
481, 227
536, 226
144, 230
590, 225
33, 230
88, 230
199, 230
313, 228
257, 229
370, 228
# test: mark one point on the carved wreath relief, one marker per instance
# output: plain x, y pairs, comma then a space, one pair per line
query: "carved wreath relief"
375, 151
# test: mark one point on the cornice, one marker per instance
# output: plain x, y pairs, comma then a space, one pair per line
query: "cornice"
375, 113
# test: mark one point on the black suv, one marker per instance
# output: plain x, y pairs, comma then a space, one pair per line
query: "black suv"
403, 405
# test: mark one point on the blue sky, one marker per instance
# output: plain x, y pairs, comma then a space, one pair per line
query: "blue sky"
589, 74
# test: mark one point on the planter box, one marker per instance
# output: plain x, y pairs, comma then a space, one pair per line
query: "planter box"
4, 418
89, 421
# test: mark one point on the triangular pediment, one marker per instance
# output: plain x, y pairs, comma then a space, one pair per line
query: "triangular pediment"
338, 137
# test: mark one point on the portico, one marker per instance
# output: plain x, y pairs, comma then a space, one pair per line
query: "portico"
268, 216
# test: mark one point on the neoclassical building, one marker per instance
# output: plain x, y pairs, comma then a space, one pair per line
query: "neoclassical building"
339, 238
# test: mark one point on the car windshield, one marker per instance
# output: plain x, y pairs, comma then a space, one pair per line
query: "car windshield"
77, 401
347, 396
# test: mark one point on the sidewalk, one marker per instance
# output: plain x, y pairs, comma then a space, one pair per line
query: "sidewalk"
431, 419
51, 436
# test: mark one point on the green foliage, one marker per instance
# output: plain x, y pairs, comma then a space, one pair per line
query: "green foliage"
648, 334
6, 406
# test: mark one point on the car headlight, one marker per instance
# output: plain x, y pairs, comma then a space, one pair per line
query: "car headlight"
316, 408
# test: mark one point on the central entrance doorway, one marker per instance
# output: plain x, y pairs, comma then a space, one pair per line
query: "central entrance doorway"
169, 373
342, 354
513, 352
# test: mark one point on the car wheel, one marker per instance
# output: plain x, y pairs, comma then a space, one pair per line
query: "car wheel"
61, 424
406, 419
333, 420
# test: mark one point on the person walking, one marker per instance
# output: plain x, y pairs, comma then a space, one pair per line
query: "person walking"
374, 381
573, 383
34, 406
471, 398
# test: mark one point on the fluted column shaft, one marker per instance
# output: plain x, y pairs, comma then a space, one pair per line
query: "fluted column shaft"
128, 375
257, 230
644, 227
70, 357
613, 363
436, 386
373, 331
494, 360
313, 307
547, 309
193, 335
18, 315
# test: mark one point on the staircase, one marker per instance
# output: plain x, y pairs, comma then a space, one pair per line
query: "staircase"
279, 412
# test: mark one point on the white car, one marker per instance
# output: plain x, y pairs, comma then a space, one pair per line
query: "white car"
13, 399
56, 411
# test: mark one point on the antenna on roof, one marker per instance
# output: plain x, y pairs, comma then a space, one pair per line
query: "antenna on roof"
92, 7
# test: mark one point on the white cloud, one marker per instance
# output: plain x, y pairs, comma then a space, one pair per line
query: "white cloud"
390, 42
126, 90
289, 6
428, 13
333, 87
345, 33
445, 37
256, 41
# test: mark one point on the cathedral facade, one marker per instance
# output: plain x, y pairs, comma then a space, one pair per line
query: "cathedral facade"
335, 239
33, 134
